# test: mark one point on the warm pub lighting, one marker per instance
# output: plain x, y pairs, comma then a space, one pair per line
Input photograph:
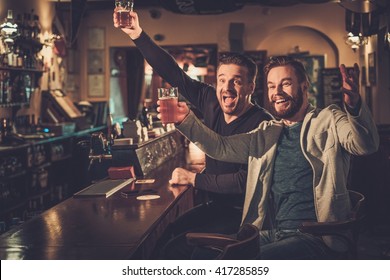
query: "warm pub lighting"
9, 29
355, 41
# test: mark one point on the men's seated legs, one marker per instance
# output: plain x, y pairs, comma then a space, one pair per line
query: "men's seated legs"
293, 245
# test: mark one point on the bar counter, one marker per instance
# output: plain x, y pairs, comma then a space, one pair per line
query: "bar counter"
109, 228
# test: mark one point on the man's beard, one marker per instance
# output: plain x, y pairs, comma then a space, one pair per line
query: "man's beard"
295, 105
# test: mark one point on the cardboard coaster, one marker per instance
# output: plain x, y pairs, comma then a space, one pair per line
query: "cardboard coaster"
145, 181
148, 197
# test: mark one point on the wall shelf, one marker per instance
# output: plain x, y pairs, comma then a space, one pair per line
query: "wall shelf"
21, 69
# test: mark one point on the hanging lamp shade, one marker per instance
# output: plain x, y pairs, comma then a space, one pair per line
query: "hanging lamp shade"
202, 7
9, 29
363, 6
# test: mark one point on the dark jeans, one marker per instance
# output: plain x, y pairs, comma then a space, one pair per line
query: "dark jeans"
293, 245
210, 217
277, 245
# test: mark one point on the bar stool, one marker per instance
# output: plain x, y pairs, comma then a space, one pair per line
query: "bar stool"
347, 230
245, 246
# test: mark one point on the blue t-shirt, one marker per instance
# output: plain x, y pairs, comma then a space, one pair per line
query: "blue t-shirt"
292, 184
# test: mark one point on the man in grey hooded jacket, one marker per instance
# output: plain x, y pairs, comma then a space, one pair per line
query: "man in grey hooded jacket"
297, 165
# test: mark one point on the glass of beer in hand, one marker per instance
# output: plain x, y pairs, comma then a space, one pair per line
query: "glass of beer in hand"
123, 9
168, 98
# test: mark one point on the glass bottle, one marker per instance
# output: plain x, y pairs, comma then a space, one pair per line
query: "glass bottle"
1, 86
19, 58
27, 26
27, 81
36, 28
5, 87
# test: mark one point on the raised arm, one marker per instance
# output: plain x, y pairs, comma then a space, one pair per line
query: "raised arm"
163, 63
234, 148
351, 85
222, 183
356, 130
218, 183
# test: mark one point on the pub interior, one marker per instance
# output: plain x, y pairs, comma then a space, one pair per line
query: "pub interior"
84, 160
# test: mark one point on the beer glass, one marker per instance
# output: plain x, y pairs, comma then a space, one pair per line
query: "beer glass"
123, 13
168, 104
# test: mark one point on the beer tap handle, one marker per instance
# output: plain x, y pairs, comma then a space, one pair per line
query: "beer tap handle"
110, 139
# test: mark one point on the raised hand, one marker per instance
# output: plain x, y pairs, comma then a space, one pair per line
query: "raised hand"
134, 30
350, 87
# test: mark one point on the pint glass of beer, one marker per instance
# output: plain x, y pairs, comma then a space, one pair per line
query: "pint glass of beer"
123, 12
168, 104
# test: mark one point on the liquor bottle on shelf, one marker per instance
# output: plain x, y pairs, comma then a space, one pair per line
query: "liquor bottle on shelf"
19, 23
27, 81
27, 31
3, 94
18, 91
19, 57
4, 129
11, 57
36, 28
33, 125
4, 87
4, 59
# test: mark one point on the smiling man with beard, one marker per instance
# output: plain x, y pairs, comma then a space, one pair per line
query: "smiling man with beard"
298, 165
286, 89
226, 109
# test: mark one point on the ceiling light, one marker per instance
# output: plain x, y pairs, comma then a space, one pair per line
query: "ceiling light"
356, 41
9, 29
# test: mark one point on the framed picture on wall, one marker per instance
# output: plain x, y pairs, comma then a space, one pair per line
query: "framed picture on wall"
96, 38
372, 68
363, 72
95, 61
314, 65
96, 85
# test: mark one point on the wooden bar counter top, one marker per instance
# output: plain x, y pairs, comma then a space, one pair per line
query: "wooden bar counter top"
112, 228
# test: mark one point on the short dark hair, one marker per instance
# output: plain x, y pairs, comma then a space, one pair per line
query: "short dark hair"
240, 60
299, 68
